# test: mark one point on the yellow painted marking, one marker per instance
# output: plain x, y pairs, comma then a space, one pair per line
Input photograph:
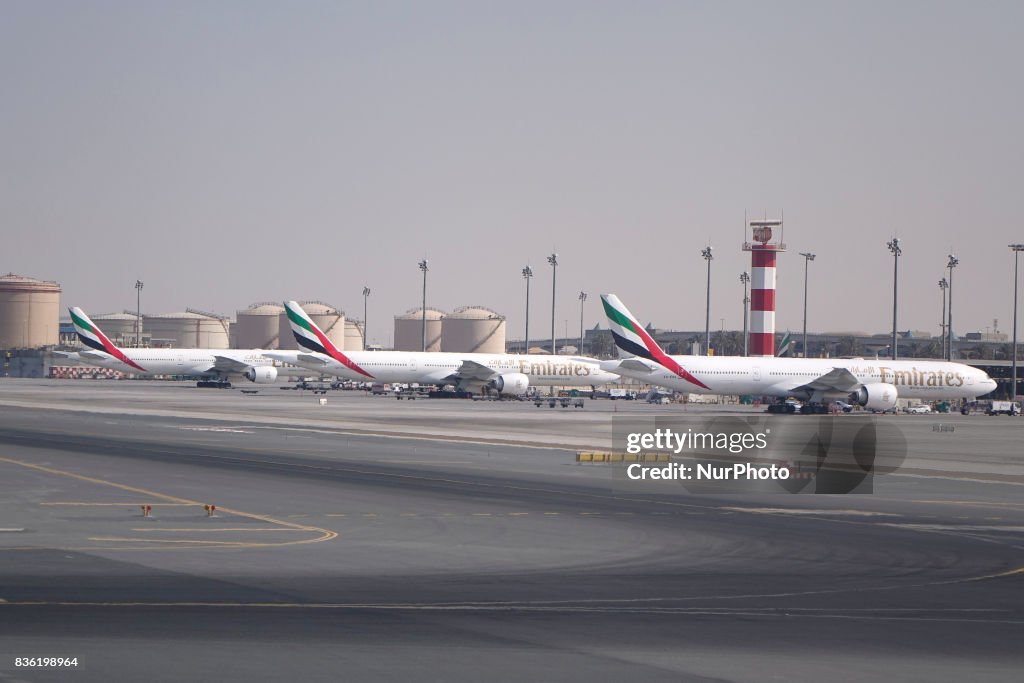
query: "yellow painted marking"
1001, 575
517, 514
590, 513
294, 516
970, 502
409, 514
163, 505
164, 540
810, 511
481, 514
552, 513
215, 530
335, 514
325, 534
429, 462
369, 514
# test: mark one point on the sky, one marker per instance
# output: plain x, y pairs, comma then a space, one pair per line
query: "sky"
226, 153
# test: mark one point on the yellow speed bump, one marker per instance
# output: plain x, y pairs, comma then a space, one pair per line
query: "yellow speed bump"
590, 456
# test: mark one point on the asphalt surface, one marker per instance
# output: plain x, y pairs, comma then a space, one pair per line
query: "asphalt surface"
339, 552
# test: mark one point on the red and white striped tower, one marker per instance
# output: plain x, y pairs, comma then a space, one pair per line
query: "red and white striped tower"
763, 250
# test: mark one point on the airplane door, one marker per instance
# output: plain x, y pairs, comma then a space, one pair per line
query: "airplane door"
757, 373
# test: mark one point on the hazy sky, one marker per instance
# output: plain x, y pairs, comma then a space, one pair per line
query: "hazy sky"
227, 153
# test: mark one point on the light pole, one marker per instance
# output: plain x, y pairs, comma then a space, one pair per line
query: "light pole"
943, 284
745, 279
583, 298
553, 260
952, 263
138, 313
1017, 248
808, 257
366, 334
894, 247
706, 253
527, 274
423, 267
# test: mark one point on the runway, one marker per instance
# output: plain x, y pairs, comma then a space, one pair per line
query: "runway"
380, 540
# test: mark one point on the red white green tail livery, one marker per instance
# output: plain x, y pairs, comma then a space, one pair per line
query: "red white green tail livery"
310, 337
633, 340
93, 337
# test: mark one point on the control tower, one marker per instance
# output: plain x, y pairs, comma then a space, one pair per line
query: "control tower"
764, 244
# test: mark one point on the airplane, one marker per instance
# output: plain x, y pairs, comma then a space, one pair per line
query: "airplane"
508, 374
215, 366
874, 384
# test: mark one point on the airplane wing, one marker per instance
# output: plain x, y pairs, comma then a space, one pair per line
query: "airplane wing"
838, 379
225, 364
473, 370
638, 365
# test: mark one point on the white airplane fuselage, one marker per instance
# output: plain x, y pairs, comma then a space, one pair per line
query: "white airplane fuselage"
438, 367
784, 377
192, 362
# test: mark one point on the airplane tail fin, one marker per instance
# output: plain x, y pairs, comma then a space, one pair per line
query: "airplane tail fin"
92, 336
307, 333
88, 333
785, 344
310, 337
633, 340
630, 336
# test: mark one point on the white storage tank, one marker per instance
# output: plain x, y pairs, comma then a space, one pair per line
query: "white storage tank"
330, 319
189, 329
473, 329
119, 327
409, 330
354, 336
29, 312
258, 327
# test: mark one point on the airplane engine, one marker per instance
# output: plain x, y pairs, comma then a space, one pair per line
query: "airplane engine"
266, 375
876, 396
514, 383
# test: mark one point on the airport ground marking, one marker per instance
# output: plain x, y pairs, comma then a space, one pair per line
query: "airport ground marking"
953, 615
723, 510
84, 504
325, 534
189, 541
696, 508
216, 530
978, 503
